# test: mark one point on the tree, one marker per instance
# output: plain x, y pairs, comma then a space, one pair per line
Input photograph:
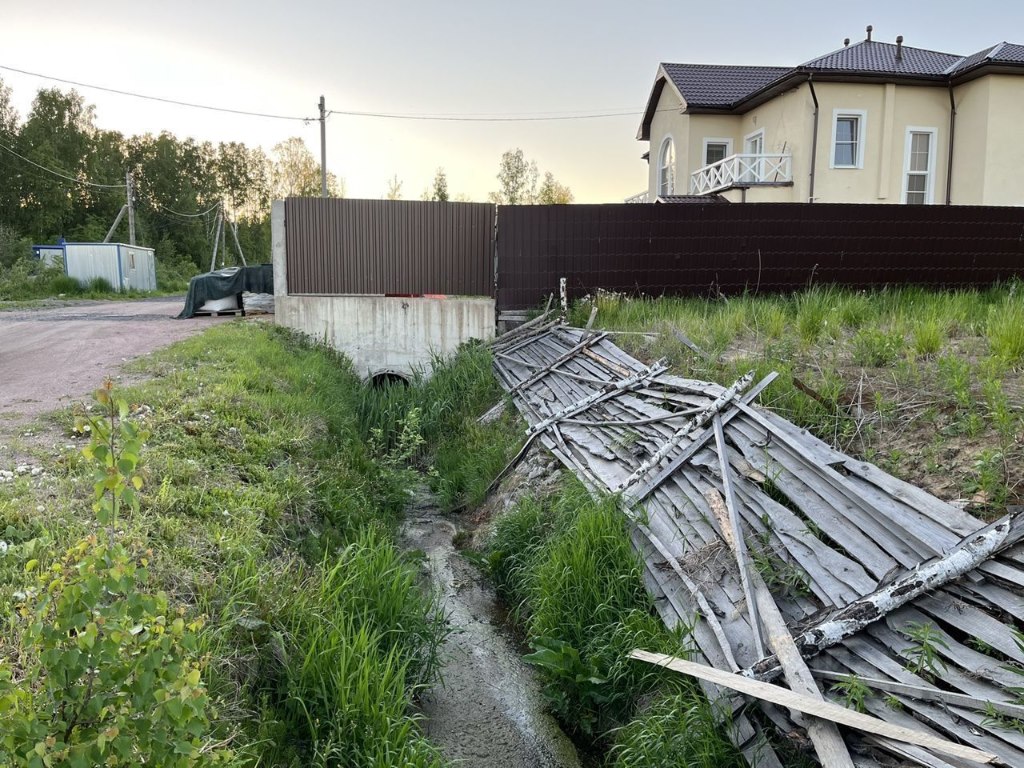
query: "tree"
518, 180
58, 134
553, 193
394, 188
296, 172
440, 193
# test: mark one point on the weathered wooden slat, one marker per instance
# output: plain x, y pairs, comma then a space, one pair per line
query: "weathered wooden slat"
810, 706
883, 601
698, 440
974, 621
828, 519
692, 426
907, 547
824, 734
928, 694
946, 515
839, 577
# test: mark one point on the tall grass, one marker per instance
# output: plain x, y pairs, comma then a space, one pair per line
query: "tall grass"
567, 565
267, 512
463, 456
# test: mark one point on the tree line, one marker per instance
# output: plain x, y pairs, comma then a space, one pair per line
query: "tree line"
177, 181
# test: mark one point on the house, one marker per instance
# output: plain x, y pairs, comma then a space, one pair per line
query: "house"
872, 122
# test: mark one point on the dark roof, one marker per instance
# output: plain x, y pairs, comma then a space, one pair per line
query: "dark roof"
1002, 53
714, 85
873, 56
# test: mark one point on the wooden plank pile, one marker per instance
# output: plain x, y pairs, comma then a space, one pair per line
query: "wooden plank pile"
791, 560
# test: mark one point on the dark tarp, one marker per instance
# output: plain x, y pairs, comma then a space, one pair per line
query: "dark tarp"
227, 282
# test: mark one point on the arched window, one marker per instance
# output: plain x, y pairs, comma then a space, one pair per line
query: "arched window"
667, 168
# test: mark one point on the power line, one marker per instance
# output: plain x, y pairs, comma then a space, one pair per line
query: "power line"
159, 98
475, 119
188, 215
443, 117
62, 175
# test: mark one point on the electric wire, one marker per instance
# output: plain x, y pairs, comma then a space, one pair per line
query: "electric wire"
161, 99
441, 117
199, 215
63, 175
481, 119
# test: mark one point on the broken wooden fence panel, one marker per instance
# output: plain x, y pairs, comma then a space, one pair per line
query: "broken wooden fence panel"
811, 706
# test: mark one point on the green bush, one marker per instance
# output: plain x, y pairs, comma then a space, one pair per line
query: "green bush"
109, 676
99, 285
876, 348
64, 285
13, 247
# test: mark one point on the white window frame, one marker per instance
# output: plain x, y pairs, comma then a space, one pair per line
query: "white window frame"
862, 124
758, 168
659, 192
712, 140
929, 195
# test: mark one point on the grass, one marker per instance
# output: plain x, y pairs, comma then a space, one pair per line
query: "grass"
460, 456
566, 565
29, 280
266, 512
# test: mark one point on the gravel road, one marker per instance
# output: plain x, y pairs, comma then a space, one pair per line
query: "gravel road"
52, 356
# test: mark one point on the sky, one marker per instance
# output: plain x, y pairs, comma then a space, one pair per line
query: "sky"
520, 58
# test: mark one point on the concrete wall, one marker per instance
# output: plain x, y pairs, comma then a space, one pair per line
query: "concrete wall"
381, 333
378, 333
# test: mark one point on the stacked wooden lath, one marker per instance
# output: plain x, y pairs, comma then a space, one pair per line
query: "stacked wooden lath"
931, 593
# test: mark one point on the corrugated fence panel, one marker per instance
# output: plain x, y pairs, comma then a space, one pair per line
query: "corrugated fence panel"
710, 249
389, 247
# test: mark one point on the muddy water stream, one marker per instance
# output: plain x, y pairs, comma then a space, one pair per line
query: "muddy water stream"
488, 712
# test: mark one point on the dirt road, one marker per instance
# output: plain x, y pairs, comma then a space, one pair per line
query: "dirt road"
50, 357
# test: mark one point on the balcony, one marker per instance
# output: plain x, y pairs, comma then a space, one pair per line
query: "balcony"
642, 197
742, 171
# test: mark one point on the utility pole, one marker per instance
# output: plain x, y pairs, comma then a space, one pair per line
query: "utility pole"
131, 207
323, 148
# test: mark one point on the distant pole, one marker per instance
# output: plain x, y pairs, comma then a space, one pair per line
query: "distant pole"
131, 207
323, 148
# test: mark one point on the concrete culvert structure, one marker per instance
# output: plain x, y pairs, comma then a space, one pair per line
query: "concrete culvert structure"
389, 378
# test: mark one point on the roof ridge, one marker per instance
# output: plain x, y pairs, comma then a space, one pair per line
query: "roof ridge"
996, 49
723, 66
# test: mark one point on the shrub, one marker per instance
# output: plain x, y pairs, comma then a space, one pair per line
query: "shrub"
63, 284
13, 247
1006, 330
111, 677
99, 285
876, 348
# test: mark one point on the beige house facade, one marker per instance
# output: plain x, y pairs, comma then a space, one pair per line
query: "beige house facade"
872, 122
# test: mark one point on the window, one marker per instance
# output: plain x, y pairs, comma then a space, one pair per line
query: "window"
752, 168
848, 138
919, 166
667, 168
716, 150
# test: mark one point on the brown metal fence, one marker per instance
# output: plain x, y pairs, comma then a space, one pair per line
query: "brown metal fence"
406, 247
710, 249
389, 247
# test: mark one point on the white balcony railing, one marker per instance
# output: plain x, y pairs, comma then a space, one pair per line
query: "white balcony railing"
642, 197
742, 171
